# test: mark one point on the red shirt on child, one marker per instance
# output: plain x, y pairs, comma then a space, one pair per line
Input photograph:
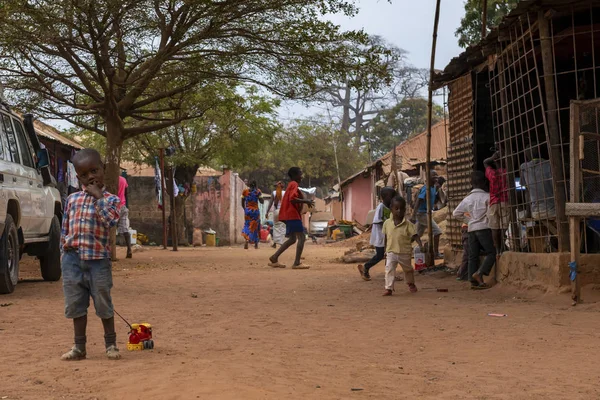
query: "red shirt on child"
290, 211
497, 178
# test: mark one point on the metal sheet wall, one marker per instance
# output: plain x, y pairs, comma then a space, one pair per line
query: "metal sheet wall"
460, 151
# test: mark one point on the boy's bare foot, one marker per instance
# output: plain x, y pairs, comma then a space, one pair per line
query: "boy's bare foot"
112, 352
300, 266
364, 274
388, 292
74, 355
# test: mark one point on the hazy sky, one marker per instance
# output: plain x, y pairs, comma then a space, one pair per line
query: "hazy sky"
407, 24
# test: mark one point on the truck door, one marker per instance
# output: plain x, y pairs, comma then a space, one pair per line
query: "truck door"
16, 179
40, 222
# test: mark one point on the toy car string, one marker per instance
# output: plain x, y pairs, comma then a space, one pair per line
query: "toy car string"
123, 319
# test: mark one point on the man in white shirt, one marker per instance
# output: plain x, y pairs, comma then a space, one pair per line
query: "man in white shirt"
278, 226
474, 209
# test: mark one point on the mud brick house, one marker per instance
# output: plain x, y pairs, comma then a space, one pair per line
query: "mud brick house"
516, 92
359, 193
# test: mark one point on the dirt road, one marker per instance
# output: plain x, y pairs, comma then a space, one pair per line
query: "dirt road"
227, 327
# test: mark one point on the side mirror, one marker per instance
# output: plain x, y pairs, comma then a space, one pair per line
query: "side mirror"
28, 123
43, 165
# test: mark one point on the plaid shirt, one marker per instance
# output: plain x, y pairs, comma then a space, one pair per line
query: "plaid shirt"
87, 222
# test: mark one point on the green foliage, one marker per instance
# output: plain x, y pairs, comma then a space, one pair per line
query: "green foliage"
469, 31
395, 125
312, 146
235, 124
128, 66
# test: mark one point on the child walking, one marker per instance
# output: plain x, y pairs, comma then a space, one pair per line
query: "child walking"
474, 209
399, 235
382, 214
290, 214
86, 266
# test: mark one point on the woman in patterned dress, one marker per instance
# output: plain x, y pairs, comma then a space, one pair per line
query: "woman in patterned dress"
250, 199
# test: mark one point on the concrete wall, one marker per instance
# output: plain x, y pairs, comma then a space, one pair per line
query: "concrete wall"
547, 271
358, 199
217, 206
144, 214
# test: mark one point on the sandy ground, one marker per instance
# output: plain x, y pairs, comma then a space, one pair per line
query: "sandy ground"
227, 327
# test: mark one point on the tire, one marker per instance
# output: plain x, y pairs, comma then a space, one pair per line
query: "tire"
50, 261
9, 257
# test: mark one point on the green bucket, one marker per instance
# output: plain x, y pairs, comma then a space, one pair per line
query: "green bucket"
347, 229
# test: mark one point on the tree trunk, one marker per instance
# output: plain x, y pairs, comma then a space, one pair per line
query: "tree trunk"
114, 144
182, 226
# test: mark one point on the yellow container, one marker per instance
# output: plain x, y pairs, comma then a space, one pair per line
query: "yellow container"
211, 240
338, 235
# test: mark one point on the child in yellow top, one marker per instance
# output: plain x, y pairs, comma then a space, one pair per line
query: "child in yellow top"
399, 234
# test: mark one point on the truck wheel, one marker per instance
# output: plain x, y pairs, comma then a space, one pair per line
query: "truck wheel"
50, 261
9, 257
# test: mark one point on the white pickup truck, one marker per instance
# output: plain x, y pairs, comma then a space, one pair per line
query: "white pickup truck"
30, 204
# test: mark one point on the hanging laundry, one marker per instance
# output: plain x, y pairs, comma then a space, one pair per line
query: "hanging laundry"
61, 170
72, 181
157, 183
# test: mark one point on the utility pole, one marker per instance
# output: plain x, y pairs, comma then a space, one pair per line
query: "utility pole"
174, 238
429, 117
162, 195
484, 20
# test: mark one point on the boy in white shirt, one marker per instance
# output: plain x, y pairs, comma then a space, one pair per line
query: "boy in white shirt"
474, 209
382, 213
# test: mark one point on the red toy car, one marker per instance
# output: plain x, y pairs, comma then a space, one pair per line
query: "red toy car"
140, 337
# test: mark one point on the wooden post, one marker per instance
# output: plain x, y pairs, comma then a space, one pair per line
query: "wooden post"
484, 20
553, 132
174, 236
162, 189
574, 221
429, 117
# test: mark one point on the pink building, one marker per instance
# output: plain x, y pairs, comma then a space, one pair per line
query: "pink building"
358, 196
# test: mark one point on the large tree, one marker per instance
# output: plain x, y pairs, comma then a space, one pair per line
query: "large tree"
237, 122
362, 96
122, 68
469, 31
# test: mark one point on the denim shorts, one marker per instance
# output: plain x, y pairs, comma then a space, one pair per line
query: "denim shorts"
293, 226
85, 278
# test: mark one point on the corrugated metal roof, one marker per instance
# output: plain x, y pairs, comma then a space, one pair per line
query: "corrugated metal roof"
52, 133
475, 55
412, 152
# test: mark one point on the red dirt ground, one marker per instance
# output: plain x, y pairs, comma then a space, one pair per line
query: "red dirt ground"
257, 333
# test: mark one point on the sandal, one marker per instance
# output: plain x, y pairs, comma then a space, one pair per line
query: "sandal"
481, 286
276, 265
74, 355
301, 266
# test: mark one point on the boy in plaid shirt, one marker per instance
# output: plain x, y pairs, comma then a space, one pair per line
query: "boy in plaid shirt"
86, 266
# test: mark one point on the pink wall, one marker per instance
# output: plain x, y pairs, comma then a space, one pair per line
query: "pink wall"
217, 206
358, 199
